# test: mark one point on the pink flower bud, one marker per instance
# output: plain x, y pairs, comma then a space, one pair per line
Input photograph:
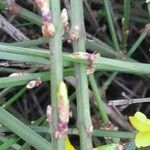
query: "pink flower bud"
48, 29
18, 74
49, 114
34, 83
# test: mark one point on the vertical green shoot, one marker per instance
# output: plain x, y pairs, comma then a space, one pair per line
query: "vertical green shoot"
111, 25
100, 103
125, 22
56, 71
77, 35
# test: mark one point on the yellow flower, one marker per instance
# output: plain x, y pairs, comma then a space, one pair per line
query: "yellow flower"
141, 123
68, 144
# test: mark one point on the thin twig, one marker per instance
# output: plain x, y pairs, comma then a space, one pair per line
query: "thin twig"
11, 30
128, 101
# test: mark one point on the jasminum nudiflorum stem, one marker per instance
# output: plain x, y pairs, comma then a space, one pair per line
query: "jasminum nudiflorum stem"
78, 37
56, 75
99, 101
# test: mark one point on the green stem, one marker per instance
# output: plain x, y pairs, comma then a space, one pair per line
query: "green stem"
130, 52
126, 14
106, 64
99, 46
14, 98
125, 22
111, 25
8, 143
56, 74
74, 131
83, 108
108, 82
36, 123
137, 43
15, 81
14, 146
8, 70
30, 16
102, 48
100, 103
4, 92
23, 58
24, 13
20, 129
113, 134
89, 16
30, 43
